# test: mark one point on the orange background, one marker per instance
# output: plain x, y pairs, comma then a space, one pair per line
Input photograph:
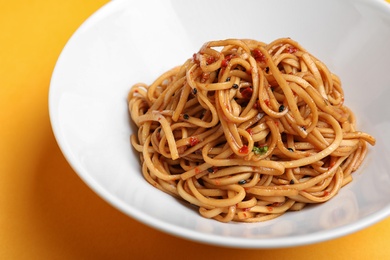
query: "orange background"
46, 211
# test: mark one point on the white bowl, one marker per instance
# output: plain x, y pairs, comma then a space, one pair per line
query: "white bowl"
135, 41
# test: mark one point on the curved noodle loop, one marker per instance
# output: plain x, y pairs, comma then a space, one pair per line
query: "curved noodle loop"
247, 131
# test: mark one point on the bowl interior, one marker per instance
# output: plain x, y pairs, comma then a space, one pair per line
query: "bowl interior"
135, 41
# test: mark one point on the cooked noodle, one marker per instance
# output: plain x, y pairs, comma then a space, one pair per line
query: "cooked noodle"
247, 131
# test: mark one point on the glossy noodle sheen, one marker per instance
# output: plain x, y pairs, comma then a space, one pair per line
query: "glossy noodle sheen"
247, 131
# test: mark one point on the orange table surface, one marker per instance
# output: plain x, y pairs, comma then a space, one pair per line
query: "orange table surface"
46, 211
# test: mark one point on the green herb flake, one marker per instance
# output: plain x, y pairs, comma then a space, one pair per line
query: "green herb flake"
260, 150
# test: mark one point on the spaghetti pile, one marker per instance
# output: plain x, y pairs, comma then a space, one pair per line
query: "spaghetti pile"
247, 131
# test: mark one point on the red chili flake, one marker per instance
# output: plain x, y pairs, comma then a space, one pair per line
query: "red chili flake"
159, 118
266, 101
290, 49
246, 209
244, 149
224, 63
217, 182
326, 193
276, 123
136, 91
210, 59
270, 209
258, 55
194, 140
197, 171
247, 93
250, 131
256, 105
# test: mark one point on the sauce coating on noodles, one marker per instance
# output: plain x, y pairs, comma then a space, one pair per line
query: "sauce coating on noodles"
247, 131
